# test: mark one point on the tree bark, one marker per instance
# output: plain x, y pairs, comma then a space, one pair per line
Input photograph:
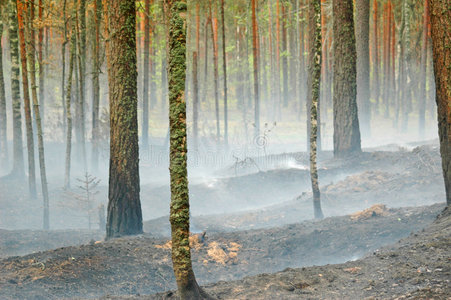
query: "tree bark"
37, 113
423, 79
179, 214
255, 69
3, 120
214, 40
41, 61
224, 68
284, 56
362, 31
145, 89
375, 87
346, 122
441, 51
68, 108
21, 10
96, 85
18, 160
314, 81
124, 206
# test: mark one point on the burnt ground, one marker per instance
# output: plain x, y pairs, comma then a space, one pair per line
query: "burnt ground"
246, 243
142, 265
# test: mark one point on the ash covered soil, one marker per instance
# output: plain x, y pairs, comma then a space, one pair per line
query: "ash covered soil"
393, 194
142, 265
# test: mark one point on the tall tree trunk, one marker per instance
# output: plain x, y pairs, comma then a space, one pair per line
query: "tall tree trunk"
441, 52
255, 60
362, 31
285, 56
124, 206
37, 114
96, 85
346, 121
195, 102
224, 68
68, 107
179, 215
277, 108
18, 163
21, 10
375, 50
145, 89
423, 79
41, 61
3, 121
63, 64
214, 40
314, 80
206, 62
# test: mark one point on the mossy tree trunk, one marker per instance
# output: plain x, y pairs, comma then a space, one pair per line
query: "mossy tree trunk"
314, 81
21, 12
37, 113
346, 122
440, 13
3, 120
179, 215
362, 32
18, 163
124, 206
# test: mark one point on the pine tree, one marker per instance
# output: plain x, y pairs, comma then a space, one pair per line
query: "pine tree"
18, 160
124, 206
179, 215
314, 80
346, 122
440, 13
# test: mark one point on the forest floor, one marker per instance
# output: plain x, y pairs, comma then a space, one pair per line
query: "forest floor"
399, 188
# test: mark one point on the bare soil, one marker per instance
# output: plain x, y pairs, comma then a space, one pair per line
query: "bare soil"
379, 198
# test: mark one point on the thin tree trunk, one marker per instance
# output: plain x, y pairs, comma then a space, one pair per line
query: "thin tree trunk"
423, 79
21, 10
63, 65
18, 160
255, 69
3, 120
195, 103
41, 62
285, 56
346, 122
205, 85
362, 31
214, 40
68, 108
314, 80
375, 82
37, 115
441, 52
96, 85
179, 214
145, 89
124, 206
277, 108
224, 67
